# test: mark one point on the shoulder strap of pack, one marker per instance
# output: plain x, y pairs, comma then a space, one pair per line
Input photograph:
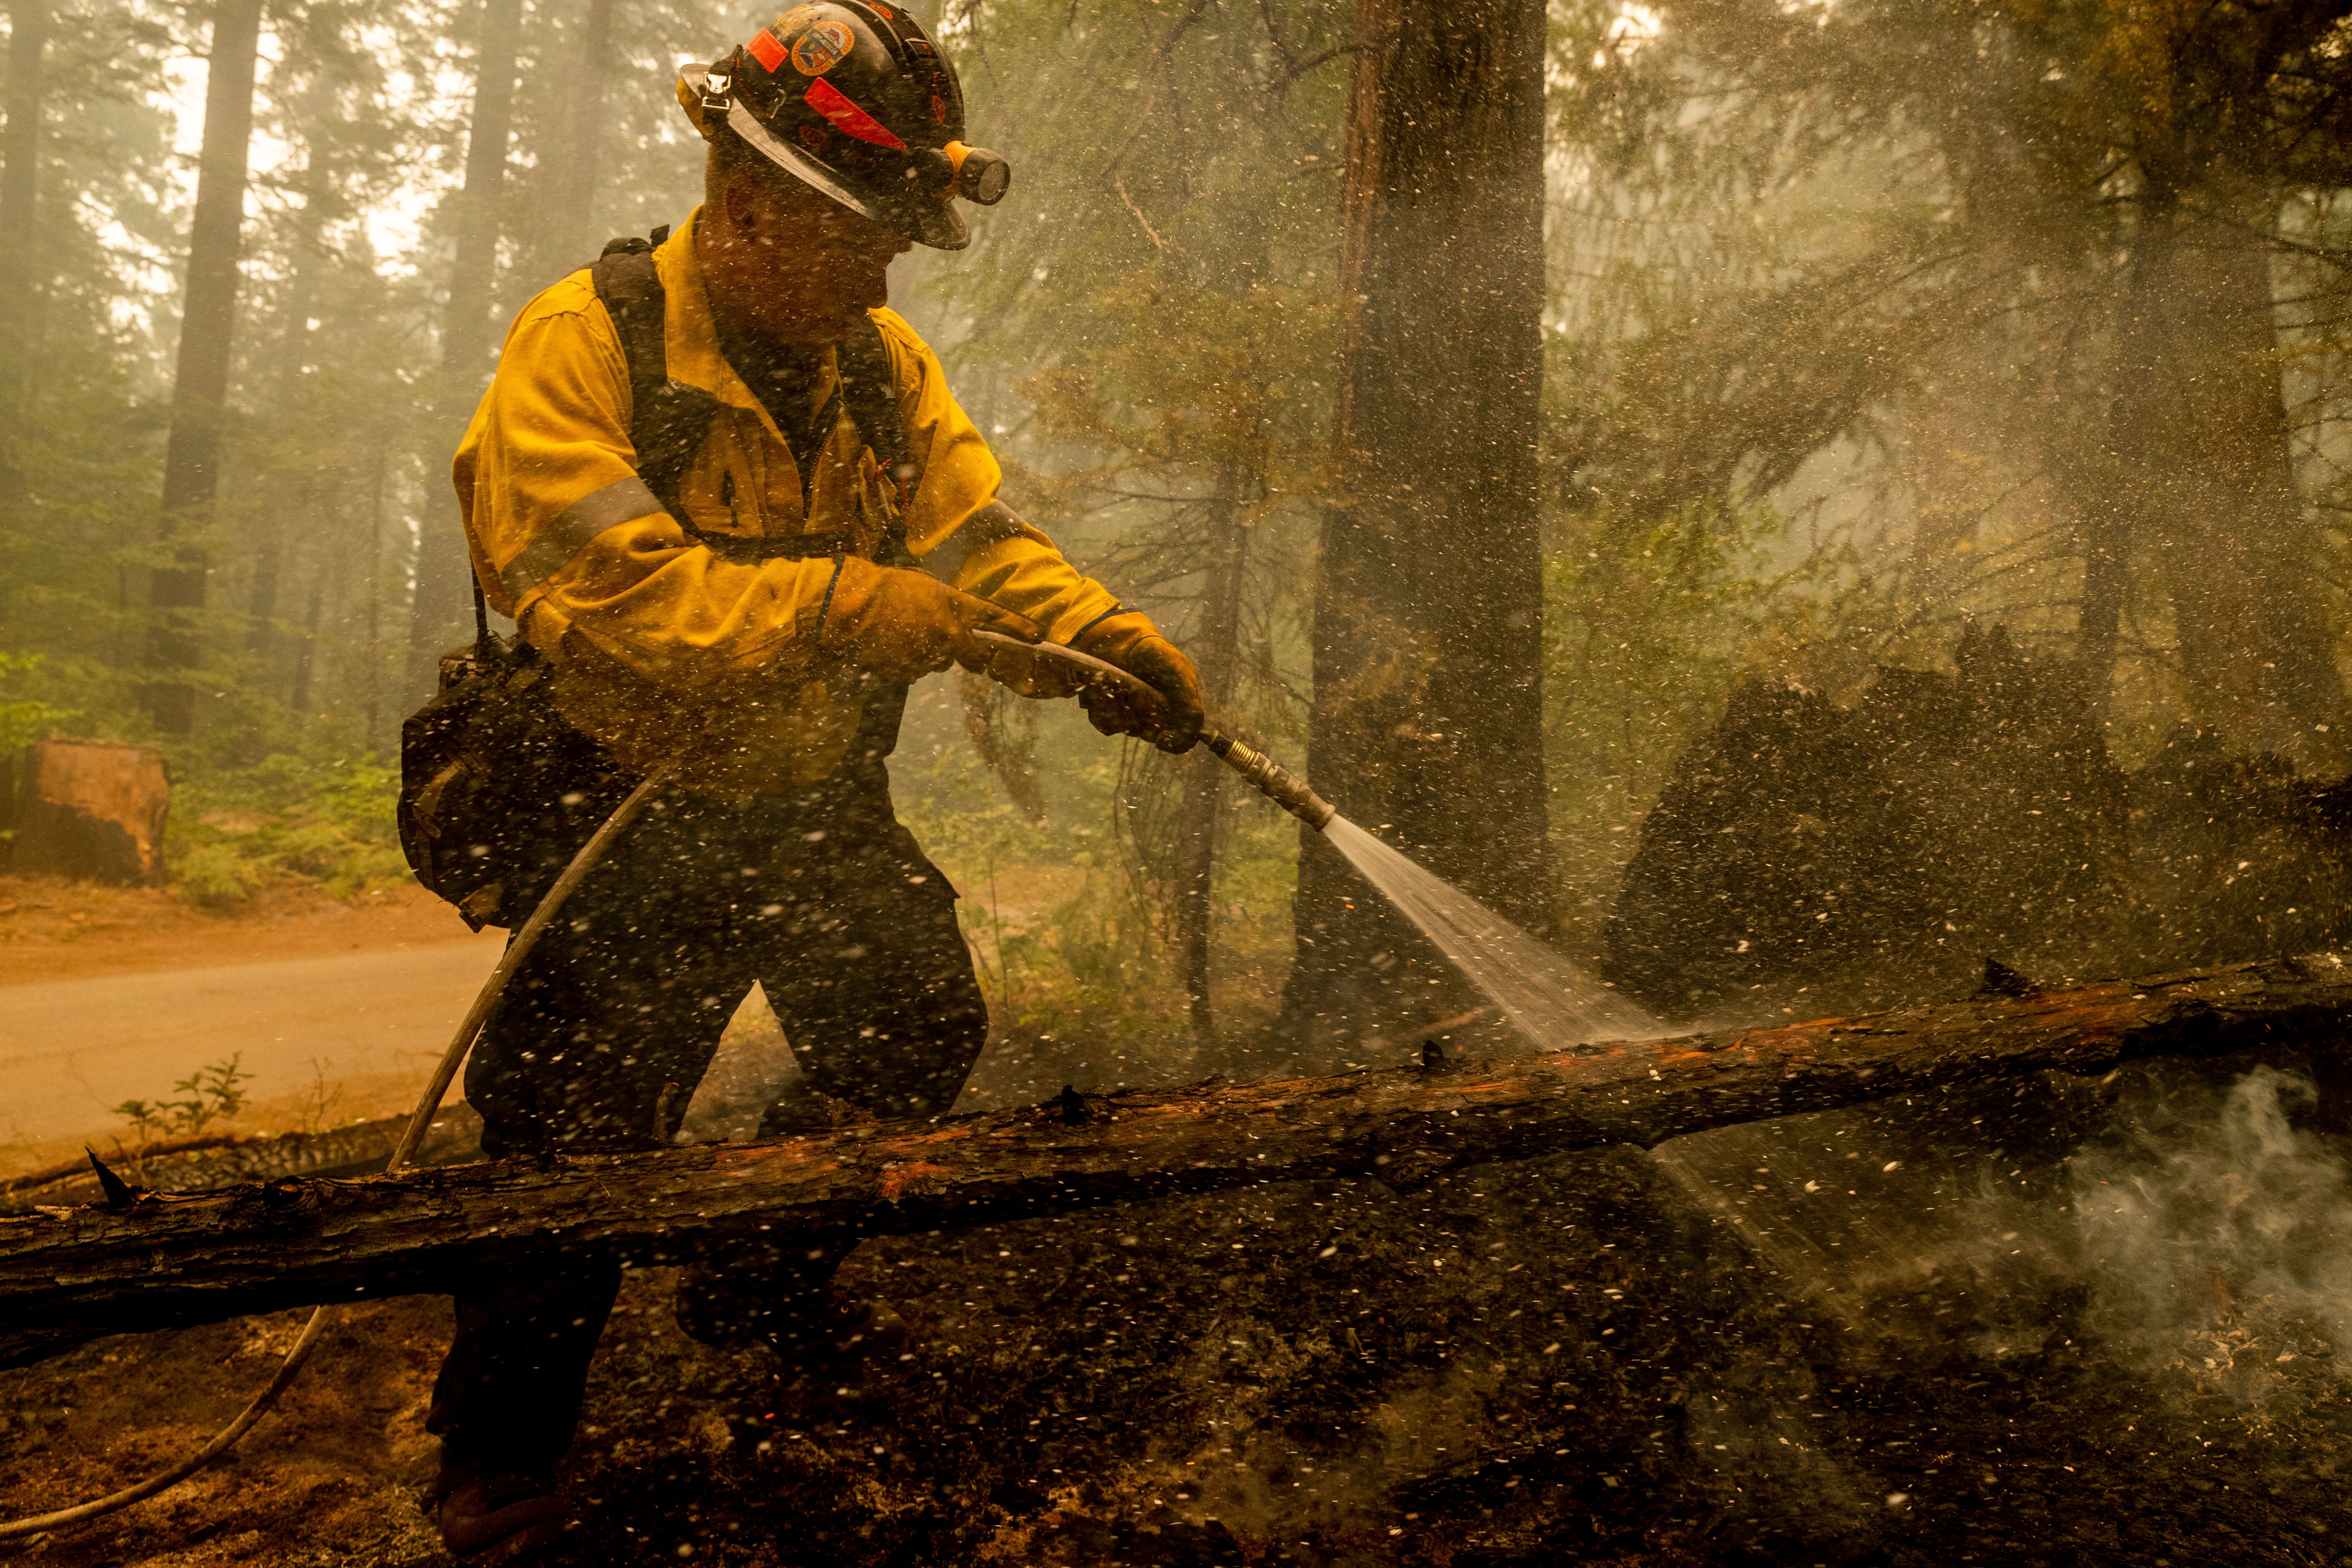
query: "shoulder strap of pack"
669, 420
869, 394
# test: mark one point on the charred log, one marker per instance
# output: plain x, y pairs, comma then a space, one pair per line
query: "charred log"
232, 1159
69, 1275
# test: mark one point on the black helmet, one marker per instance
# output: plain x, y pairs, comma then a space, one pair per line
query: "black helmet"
855, 99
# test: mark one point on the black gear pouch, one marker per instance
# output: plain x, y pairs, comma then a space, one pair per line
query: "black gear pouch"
497, 792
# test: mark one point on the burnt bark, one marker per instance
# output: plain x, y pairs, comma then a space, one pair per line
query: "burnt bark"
1429, 593
200, 387
69, 1275
438, 615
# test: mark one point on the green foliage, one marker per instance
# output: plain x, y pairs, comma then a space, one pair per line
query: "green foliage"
285, 820
216, 875
964, 821
211, 1094
1084, 966
25, 719
1645, 629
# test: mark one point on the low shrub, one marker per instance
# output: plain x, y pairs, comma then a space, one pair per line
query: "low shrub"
288, 820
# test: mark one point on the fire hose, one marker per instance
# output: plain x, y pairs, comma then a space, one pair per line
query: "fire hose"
1275, 782
586, 861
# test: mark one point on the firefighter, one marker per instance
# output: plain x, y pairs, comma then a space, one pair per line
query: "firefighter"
733, 560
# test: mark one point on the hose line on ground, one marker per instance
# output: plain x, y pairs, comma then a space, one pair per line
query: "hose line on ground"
1277, 784
445, 1073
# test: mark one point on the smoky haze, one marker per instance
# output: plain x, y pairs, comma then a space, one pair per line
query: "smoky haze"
1755, 511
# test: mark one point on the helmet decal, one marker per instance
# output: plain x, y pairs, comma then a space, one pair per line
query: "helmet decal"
827, 100
766, 50
821, 48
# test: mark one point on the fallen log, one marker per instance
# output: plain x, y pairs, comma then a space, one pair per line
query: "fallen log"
67, 1275
228, 1159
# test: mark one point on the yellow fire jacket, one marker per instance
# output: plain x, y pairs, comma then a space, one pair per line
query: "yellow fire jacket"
663, 650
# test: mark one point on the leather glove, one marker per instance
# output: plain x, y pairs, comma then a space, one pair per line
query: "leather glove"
902, 625
1130, 641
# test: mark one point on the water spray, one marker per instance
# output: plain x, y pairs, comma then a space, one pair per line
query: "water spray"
1546, 999
1546, 1002
1268, 777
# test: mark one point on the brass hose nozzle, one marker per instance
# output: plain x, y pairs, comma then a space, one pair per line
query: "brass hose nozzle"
1273, 781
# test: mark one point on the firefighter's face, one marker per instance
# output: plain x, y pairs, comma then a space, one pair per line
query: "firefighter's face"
805, 267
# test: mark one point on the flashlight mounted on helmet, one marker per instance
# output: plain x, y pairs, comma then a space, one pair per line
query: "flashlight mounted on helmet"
975, 174
854, 98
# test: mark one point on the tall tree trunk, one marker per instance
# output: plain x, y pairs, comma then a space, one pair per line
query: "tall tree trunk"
1429, 596
20, 273
373, 582
1215, 647
1231, 256
2108, 490
566, 236
261, 597
306, 658
200, 391
2224, 526
439, 614
296, 490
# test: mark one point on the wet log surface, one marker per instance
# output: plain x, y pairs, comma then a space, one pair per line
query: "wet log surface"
69, 1275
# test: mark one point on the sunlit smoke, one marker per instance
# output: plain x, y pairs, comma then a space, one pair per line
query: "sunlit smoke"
2221, 1250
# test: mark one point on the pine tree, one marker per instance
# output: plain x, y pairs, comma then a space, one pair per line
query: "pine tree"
443, 571
201, 388
20, 187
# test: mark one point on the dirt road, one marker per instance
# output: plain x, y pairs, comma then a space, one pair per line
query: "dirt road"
364, 1027
334, 1013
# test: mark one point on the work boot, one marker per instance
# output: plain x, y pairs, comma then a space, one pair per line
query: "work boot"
492, 1517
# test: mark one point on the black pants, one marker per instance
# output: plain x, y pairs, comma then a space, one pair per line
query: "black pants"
817, 893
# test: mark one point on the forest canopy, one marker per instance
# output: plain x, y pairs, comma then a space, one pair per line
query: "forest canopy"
1862, 321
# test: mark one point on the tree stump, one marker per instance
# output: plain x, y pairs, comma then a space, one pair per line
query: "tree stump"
91, 810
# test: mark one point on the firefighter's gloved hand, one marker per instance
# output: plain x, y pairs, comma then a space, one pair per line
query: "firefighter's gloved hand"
903, 625
1132, 642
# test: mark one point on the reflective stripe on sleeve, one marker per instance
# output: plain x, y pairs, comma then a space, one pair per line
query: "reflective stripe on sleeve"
991, 524
622, 500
